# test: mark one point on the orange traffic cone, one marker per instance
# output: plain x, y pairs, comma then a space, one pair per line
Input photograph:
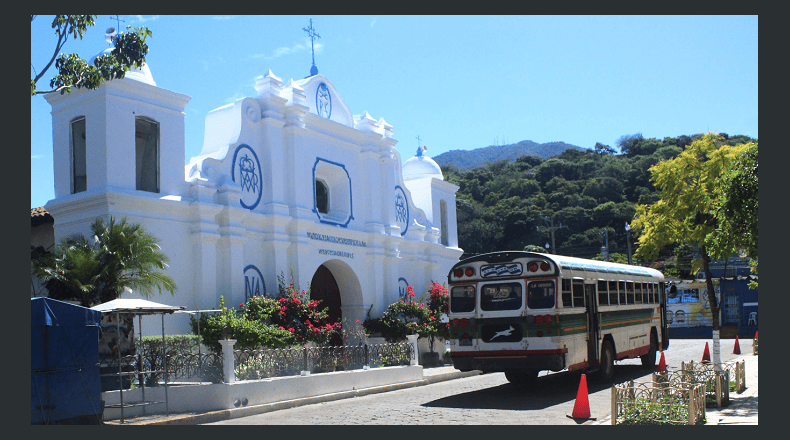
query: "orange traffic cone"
662, 364
737, 349
581, 409
706, 355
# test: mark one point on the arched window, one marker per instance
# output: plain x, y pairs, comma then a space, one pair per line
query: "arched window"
146, 141
79, 178
321, 196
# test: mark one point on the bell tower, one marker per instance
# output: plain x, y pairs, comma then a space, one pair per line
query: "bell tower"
127, 135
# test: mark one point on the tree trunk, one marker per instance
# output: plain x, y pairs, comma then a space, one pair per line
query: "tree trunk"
714, 308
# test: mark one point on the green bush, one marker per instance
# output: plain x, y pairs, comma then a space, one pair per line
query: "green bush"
667, 411
248, 333
409, 318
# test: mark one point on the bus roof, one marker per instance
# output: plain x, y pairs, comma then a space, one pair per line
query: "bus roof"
569, 263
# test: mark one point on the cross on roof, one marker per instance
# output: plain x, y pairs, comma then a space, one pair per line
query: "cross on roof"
118, 22
313, 36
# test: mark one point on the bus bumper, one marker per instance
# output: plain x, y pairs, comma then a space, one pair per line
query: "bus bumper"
466, 361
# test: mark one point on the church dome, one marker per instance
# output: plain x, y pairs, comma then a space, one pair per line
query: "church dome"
421, 166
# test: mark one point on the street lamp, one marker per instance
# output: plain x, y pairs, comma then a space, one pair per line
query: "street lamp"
547, 248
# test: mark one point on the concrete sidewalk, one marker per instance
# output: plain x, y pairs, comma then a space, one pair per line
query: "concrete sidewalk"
430, 375
742, 409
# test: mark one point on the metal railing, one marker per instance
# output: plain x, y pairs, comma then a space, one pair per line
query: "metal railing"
658, 403
716, 380
293, 361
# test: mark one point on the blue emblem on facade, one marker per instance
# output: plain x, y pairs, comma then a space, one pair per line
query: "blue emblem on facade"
323, 101
253, 283
248, 169
401, 209
498, 270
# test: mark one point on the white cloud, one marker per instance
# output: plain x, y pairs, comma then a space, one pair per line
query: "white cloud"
143, 19
373, 22
37, 156
224, 17
283, 50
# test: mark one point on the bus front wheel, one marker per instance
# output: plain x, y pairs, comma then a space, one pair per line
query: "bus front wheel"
607, 361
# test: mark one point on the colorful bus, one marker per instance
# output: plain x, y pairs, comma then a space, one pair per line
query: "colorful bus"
522, 312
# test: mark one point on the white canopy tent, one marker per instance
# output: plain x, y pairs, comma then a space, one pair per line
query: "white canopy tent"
138, 307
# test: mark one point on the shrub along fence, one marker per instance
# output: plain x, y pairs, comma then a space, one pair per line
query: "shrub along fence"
679, 396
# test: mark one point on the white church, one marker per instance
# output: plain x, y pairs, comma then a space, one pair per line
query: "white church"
288, 183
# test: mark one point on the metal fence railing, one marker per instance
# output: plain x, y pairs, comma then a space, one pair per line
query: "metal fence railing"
274, 362
658, 404
184, 363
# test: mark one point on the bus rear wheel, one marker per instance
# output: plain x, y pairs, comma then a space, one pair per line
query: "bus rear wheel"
607, 361
521, 377
649, 360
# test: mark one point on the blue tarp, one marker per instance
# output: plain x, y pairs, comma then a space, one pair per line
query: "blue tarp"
64, 349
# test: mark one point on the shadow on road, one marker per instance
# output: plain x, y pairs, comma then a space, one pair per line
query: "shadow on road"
546, 391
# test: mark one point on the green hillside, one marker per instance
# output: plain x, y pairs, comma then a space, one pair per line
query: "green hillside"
509, 205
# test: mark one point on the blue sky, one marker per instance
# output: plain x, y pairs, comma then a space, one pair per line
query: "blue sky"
457, 82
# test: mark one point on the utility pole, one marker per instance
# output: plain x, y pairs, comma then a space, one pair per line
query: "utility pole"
550, 229
605, 248
628, 240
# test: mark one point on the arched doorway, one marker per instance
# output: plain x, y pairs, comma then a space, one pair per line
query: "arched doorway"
323, 287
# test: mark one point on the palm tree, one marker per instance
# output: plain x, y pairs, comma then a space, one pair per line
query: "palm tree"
120, 255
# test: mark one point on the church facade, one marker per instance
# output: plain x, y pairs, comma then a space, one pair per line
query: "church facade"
289, 185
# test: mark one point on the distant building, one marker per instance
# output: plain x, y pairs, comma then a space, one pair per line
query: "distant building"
288, 183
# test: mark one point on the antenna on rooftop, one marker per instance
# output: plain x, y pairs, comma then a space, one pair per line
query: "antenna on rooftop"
313, 36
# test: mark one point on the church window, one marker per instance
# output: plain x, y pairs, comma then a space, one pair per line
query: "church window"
146, 141
332, 195
321, 196
79, 180
443, 214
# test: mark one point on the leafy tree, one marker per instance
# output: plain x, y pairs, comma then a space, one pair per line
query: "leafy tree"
73, 71
737, 211
118, 256
604, 149
738, 208
684, 214
626, 142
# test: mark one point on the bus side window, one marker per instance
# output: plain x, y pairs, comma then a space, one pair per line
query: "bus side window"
621, 288
629, 287
603, 294
567, 299
613, 293
578, 294
637, 293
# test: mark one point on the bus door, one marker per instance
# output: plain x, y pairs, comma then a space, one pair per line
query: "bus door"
593, 327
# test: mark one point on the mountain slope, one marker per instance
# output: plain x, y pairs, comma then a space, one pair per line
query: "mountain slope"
465, 160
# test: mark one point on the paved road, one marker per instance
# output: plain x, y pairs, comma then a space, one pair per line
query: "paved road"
486, 399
